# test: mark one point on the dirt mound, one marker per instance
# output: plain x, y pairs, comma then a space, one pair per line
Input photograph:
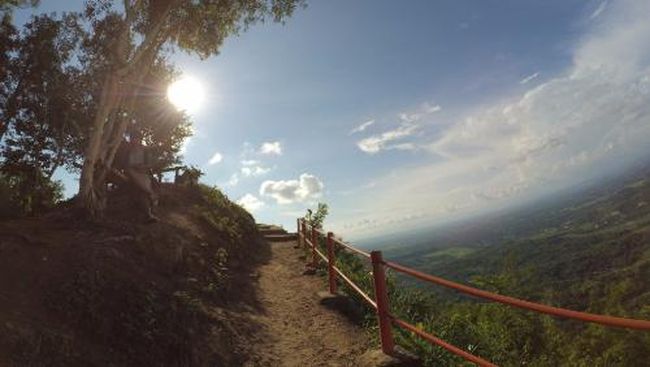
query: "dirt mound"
127, 293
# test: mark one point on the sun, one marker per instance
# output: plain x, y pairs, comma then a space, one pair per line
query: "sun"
186, 94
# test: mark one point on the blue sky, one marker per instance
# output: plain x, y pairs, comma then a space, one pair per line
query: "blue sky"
410, 113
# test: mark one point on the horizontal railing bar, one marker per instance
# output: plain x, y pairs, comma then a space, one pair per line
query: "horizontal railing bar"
437, 341
321, 255
355, 287
550, 310
353, 249
555, 311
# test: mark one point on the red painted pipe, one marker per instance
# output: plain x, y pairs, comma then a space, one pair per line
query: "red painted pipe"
555, 311
386, 319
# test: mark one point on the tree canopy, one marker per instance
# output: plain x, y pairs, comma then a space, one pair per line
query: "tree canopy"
8, 5
72, 87
130, 39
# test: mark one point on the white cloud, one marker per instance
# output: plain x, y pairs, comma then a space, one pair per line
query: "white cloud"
599, 10
253, 168
271, 148
429, 108
250, 202
362, 127
293, 213
589, 121
529, 78
254, 171
249, 168
307, 187
376, 143
234, 180
423, 111
216, 158
408, 125
598, 104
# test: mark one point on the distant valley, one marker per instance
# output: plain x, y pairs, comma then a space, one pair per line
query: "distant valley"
572, 250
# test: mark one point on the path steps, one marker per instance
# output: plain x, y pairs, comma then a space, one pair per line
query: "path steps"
275, 234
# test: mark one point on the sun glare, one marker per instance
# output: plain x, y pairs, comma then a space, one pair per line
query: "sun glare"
186, 94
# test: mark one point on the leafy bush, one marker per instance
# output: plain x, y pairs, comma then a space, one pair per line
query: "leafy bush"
227, 216
316, 218
27, 194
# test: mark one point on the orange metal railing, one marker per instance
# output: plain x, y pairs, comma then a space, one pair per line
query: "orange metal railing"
309, 237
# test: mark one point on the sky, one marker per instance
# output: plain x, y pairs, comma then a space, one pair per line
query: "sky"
405, 114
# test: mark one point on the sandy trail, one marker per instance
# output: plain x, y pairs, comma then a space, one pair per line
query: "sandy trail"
297, 329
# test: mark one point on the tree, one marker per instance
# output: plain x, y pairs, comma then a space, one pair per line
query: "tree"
316, 219
24, 193
8, 43
7, 5
162, 126
38, 102
50, 77
141, 33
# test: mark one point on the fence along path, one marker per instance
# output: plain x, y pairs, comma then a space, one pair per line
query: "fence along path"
309, 237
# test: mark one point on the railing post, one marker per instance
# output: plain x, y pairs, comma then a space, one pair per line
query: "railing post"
331, 260
304, 234
381, 295
314, 243
298, 233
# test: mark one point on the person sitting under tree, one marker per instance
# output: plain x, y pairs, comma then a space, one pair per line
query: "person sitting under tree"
137, 162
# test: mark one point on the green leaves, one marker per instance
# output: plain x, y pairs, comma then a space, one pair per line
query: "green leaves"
130, 37
201, 26
198, 27
316, 219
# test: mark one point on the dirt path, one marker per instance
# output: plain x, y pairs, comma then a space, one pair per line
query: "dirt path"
298, 330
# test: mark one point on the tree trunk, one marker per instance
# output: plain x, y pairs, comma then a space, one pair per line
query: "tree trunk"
104, 140
115, 137
90, 191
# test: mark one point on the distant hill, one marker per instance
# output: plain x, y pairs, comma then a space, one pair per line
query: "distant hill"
573, 249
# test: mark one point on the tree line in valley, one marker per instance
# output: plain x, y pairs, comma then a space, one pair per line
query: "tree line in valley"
584, 250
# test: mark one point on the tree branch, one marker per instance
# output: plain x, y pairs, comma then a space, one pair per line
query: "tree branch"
151, 40
131, 10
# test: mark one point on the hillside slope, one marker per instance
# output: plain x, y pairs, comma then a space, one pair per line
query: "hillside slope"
124, 293
588, 250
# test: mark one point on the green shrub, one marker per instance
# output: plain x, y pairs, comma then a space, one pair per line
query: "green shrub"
25, 194
504, 335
